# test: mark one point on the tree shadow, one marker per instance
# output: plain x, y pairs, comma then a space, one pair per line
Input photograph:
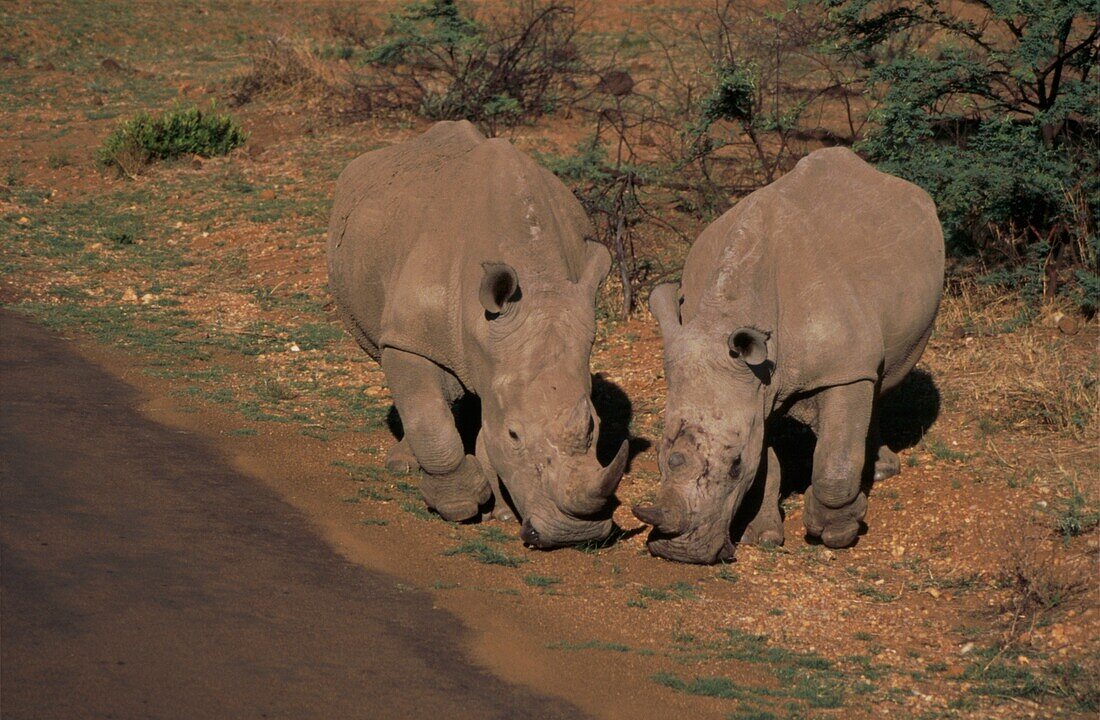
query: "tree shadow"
905, 414
615, 410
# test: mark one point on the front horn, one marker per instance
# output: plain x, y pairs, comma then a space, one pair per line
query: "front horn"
587, 498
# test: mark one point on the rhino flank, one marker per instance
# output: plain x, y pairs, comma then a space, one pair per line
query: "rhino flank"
811, 297
461, 266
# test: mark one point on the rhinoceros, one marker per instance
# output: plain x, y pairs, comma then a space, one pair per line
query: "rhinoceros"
461, 266
811, 297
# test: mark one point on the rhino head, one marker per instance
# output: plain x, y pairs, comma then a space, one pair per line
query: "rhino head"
714, 421
539, 428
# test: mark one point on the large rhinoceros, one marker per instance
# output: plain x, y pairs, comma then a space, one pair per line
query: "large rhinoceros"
810, 297
461, 266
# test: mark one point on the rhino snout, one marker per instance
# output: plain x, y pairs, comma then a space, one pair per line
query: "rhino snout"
701, 548
545, 535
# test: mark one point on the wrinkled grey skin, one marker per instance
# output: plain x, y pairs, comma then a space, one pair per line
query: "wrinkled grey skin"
462, 267
810, 297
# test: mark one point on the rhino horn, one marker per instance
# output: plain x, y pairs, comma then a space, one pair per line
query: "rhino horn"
586, 496
667, 517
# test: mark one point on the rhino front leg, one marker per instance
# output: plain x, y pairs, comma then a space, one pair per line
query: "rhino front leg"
767, 527
400, 458
834, 504
452, 483
501, 511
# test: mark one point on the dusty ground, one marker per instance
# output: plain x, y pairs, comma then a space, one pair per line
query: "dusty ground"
202, 282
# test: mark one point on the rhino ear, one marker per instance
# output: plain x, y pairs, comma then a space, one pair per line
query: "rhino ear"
596, 266
664, 304
499, 287
749, 344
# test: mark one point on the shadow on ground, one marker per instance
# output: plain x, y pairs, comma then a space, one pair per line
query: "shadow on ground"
906, 414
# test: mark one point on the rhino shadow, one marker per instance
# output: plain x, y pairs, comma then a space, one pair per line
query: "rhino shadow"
905, 415
612, 405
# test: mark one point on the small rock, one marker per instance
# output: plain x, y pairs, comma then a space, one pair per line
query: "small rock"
967, 648
111, 65
1023, 660
24, 220
1069, 325
267, 194
934, 593
128, 295
148, 298
294, 347
94, 247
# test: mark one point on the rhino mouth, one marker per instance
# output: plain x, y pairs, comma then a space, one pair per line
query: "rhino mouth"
691, 548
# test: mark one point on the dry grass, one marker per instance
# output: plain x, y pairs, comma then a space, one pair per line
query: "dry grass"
1019, 372
1039, 577
290, 68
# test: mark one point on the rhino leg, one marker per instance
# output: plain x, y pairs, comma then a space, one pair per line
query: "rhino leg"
400, 458
887, 463
834, 504
501, 511
452, 483
767, 527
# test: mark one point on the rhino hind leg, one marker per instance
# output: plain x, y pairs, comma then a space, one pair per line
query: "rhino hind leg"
453, 483
400, 458
887, 463
834, 505
767, 527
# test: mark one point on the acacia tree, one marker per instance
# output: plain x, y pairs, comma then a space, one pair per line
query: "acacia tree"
993, 107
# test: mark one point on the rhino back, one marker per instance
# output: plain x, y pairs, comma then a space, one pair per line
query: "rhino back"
413, 223
842, 263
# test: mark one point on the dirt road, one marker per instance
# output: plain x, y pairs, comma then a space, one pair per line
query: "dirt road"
144, 578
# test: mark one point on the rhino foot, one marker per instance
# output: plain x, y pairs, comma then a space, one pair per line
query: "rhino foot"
887, 465
503, 513
763, 533
457, 495
837, 527
400, 459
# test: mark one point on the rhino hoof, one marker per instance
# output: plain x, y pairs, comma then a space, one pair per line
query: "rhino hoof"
457, 511
840, 537
887, 465
400, 460
503, 514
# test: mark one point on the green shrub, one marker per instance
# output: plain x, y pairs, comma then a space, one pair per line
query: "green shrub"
437, 59
996, 118
183, 131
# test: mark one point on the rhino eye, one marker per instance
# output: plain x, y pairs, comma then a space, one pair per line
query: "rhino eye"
735, 468
512, 434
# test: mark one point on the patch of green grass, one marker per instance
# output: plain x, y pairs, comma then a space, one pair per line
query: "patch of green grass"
716, 687
359, 472
676, 591
589, 645
485, 553
244, 432
540, 581
317, 336
726, 574
873, 593
316, 434
373, 522
941, 451
418, 510
494, 534
1074, 513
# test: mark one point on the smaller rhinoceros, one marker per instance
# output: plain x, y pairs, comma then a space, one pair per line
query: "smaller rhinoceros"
461, 266
810, 297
